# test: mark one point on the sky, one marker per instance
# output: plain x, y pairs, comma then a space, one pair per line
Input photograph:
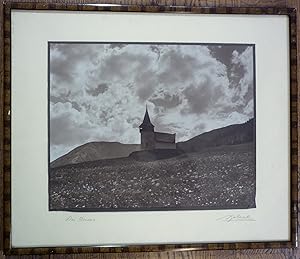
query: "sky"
99, 92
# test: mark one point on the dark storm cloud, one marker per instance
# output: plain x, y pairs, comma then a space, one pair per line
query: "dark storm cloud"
62, 66
99, 89
202, 97
223, 53
119, 66
145, 82
55, 99
64, 99
167, 100
197, 98
178, 67
62, 70
62, 130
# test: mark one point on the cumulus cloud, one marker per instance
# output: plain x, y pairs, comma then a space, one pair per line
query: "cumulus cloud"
98, 92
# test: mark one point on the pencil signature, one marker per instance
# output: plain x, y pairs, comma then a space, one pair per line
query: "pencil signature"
79, 219
234, 218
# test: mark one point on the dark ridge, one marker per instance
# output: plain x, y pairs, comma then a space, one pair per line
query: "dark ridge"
230, 135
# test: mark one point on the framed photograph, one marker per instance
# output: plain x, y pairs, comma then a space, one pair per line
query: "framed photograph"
134, 128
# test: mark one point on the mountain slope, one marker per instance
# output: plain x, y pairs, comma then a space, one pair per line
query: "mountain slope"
230, 135
95, 151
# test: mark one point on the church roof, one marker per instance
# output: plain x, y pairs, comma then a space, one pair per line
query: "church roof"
146, 122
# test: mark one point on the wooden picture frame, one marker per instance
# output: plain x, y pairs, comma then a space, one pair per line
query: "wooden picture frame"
7, 140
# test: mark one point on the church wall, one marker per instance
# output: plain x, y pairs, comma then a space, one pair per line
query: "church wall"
147, 140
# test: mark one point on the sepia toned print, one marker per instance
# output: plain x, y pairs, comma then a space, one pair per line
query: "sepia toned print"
136, 126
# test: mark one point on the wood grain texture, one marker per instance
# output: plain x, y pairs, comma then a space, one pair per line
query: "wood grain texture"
256, 253
1, 119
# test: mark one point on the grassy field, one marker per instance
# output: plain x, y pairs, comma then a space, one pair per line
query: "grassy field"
219, 178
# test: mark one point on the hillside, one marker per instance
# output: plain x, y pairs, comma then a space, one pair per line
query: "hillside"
95, 151
217, 178
230, 135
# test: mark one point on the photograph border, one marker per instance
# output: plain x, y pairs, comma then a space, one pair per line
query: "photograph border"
6, 127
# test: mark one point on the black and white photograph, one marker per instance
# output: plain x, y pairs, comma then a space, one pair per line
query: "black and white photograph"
151, 126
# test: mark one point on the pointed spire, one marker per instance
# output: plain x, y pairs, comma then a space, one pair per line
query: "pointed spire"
146, 124
147, 117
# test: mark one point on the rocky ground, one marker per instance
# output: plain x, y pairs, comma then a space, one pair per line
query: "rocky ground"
219, 178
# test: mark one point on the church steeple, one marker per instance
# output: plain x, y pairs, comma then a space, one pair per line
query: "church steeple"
146, 124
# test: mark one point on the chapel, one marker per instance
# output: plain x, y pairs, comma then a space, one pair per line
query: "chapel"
154, 140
